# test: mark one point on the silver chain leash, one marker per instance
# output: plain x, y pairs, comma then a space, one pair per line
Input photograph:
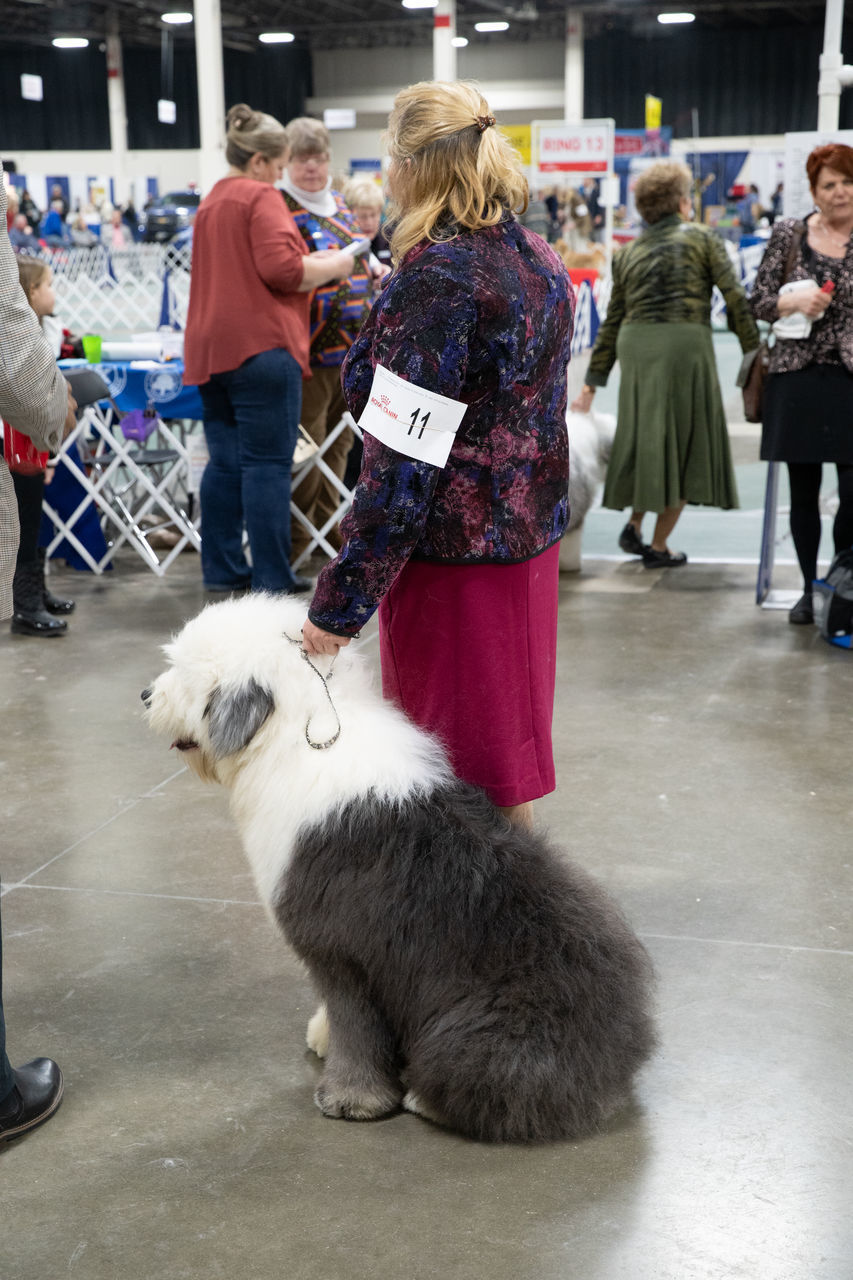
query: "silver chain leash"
330, 742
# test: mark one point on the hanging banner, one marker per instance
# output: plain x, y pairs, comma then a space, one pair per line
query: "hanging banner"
519, 136
654, 108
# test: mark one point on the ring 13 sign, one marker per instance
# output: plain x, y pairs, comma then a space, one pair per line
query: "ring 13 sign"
586, 147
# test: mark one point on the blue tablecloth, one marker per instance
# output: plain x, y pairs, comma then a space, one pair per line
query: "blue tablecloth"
160, 386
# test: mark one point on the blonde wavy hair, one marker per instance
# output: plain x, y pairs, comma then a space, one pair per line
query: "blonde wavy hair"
251, 133
452, 169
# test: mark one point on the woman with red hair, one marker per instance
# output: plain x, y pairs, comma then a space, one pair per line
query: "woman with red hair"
805, 288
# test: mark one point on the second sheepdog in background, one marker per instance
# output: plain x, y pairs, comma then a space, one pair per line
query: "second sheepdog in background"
469, 972
590, 441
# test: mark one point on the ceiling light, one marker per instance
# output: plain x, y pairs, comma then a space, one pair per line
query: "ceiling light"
276, 37
70, 42
459, 42
491, 26
176, 19
676, 17
419, 4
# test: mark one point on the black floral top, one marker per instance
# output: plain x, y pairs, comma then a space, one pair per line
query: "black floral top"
831, 338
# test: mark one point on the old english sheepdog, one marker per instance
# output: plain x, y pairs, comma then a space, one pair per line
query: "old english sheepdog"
469, 972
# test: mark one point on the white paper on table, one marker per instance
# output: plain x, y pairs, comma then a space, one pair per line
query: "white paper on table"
410, 419
145, 364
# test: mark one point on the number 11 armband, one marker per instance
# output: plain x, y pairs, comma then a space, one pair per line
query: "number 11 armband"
410, 419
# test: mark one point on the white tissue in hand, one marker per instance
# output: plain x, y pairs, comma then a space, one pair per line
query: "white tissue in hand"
795, 325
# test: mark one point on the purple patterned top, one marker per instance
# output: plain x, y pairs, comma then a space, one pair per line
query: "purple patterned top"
485, 318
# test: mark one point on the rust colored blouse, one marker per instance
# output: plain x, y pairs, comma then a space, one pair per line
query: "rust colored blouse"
246, 269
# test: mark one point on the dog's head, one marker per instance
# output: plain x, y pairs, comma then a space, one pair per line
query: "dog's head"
231, 669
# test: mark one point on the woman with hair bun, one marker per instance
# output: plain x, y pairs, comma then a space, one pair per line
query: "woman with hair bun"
246, 348
457, 546
807, 274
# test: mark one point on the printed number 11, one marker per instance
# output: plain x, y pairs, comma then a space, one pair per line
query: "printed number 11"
424, 420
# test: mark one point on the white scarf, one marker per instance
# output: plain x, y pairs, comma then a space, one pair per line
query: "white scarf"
322, 203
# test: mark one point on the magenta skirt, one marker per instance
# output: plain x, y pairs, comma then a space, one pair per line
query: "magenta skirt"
470, 652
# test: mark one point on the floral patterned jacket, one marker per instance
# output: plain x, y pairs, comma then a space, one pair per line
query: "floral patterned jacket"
831, 337
485, 318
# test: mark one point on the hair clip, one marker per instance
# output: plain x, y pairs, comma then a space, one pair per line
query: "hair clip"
483, 122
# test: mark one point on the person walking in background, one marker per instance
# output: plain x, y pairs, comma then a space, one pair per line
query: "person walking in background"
337, 313
671, 445
806, 276
246, 347
37, 611
460, 552
33, 394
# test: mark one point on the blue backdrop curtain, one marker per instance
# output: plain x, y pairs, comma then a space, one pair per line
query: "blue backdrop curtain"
722, 167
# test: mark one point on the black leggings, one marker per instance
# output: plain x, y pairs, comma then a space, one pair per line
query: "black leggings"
29, 491
805, 480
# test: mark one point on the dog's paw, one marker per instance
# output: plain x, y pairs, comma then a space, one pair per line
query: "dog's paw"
317, 1036
349, 1103
411, 1102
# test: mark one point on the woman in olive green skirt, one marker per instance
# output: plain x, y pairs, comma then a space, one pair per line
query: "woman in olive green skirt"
672, 443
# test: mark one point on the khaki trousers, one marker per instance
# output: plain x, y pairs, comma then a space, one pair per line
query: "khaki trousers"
316, 497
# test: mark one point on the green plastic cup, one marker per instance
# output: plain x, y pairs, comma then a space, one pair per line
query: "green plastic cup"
92, 347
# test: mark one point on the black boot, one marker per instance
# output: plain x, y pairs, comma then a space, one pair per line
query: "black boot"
30, 617
53, 604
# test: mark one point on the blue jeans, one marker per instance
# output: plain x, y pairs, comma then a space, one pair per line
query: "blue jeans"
7, 1080
251, 416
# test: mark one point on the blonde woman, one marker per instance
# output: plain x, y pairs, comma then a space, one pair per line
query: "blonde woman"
672, 443
246, 349
461, 558
366, 200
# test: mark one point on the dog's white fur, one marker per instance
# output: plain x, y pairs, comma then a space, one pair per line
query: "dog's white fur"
590, 441
211, 652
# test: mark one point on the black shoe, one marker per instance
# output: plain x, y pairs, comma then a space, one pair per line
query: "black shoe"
299, 585
630, 541
36, 1095
663, 559
802, 613
56, 605
37, 622
53, 604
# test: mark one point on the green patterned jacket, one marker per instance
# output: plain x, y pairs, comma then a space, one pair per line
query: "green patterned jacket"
665, 276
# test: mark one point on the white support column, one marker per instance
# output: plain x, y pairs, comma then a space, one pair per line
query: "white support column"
117, 110
573, 110
211, 92
443, 33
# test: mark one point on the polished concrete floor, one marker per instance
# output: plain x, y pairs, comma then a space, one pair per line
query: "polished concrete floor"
703, 753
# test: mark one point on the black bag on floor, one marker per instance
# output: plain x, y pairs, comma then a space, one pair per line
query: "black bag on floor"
833, 601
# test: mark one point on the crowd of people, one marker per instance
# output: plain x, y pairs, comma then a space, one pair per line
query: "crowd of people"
95, 221
296, 315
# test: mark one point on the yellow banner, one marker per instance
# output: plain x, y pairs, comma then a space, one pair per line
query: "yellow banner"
519, 136
653, 112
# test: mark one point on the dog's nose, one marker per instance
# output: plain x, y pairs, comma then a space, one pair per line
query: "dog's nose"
146, 697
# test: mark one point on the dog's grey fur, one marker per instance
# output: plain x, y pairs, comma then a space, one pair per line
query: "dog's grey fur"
460, 954
463, 962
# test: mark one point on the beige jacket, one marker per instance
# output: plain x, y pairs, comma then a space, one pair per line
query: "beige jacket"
33, 395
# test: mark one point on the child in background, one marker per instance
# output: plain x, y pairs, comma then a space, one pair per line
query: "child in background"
37, 611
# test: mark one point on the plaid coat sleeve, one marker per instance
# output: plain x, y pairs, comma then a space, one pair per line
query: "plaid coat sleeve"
33, 395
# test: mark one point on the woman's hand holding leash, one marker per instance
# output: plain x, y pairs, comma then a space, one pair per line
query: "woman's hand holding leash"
316, 641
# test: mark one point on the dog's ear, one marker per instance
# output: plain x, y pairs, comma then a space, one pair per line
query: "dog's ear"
236, 715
